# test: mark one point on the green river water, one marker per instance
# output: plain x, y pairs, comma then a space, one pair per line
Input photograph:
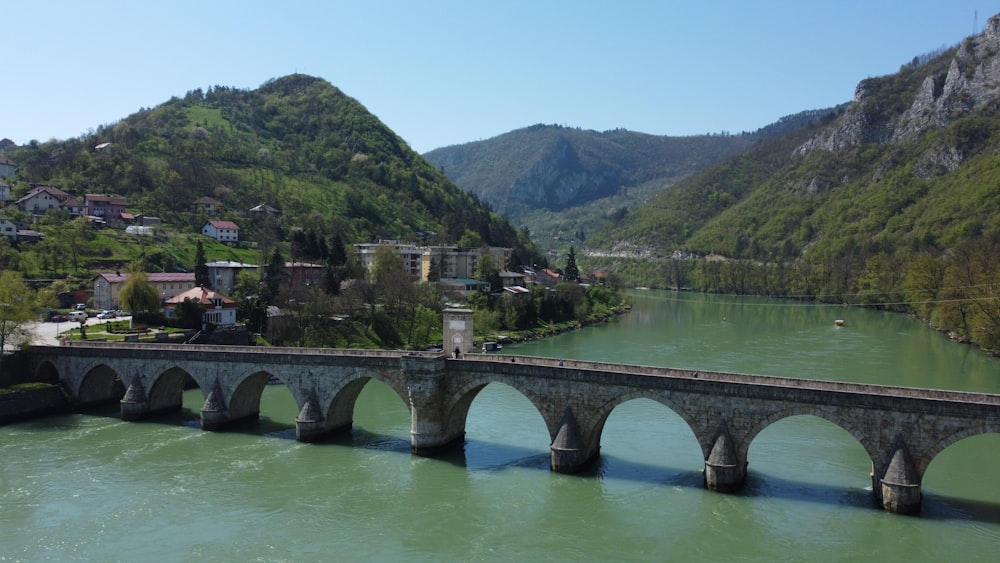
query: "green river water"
89, 487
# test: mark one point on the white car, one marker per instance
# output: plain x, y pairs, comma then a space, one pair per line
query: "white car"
106, 314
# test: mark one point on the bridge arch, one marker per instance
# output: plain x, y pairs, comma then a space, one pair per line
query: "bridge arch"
964, 473
922, 462
843, 423
166, 390
594, 424
100, 384
460, 401
46, 371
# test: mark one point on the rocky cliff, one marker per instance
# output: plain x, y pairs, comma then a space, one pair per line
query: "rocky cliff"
946, 93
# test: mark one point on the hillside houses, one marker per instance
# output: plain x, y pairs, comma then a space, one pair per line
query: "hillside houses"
105, 206
222, 231
42, 199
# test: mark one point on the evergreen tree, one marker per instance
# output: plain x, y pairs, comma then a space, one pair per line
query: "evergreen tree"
571, 271
337, 252
273, 275
201, 277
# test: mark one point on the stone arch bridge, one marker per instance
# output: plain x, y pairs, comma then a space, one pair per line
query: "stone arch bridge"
902, 429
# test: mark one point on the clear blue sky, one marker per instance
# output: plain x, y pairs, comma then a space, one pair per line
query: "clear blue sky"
444, 72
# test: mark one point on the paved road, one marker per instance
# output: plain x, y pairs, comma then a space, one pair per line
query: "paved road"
48, 333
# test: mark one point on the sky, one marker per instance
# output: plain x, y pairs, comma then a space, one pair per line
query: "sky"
447, 72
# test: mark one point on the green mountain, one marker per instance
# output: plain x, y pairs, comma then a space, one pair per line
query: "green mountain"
562, 183
892, 200
297, 144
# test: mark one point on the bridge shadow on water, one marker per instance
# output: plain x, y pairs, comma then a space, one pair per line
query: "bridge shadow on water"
478, 455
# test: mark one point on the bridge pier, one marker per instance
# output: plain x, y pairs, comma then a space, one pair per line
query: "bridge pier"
432, 427
134, 404
725, 472
898, 489
312, 426
569, 453
215, 413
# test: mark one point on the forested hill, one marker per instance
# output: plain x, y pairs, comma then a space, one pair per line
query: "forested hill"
892, 201
556, 179
296, 143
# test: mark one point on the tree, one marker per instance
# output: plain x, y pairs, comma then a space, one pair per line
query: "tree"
189, 313
274, 275
201, 277
137, 294
17, 309
571, 271
486, 270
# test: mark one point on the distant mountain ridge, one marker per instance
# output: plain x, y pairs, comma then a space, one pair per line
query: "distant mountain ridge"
562, 183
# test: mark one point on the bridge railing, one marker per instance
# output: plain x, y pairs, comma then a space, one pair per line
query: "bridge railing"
749, 379
650, 371
263, 350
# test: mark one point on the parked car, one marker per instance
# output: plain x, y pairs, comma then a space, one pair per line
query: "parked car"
78, 317
80, 306
105, 314
59, 318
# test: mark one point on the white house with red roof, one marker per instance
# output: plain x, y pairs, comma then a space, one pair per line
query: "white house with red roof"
222, 231
219, 309
41, 199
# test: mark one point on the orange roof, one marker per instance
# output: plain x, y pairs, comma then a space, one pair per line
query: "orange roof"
202, 295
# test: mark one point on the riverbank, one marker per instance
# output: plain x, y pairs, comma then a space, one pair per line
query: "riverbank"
31, 400
539, 333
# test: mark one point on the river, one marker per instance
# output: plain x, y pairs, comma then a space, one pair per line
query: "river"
91, 487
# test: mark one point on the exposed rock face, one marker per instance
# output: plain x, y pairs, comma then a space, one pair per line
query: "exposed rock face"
971, 82
559, 180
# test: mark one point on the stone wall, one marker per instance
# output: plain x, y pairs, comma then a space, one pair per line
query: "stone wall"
22, 405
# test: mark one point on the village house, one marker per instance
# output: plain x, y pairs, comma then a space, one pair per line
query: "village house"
105, 206
207, 205
304, 274
107, 286
219, 309
222, 231
4, 193
8, 229
41, 199
222, 275
512, 279
7, 167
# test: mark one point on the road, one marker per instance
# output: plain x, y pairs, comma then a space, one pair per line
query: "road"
48, 333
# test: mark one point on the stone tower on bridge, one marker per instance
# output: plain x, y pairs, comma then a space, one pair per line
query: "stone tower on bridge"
458, 339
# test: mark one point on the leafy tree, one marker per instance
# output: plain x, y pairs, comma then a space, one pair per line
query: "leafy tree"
201, 277
17, 309
486, 270
137, 294
189, 313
